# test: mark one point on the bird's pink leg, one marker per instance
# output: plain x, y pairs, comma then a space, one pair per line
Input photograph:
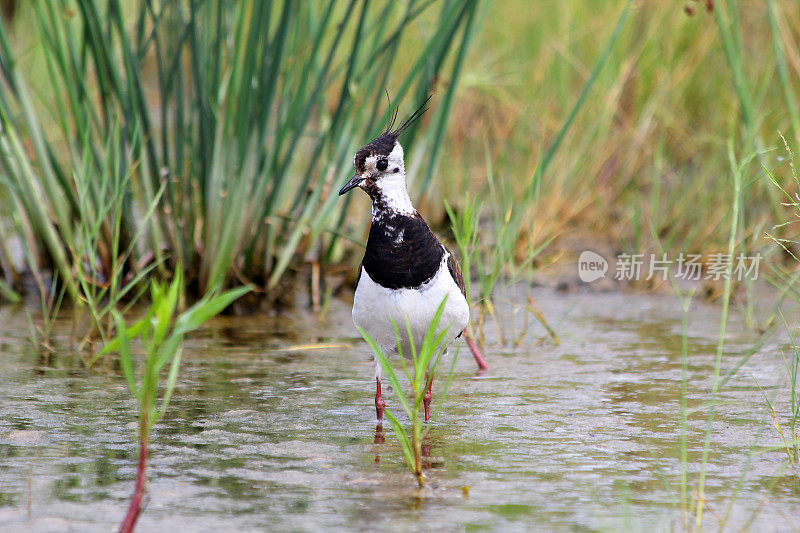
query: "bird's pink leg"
379, 403
476, 353
426, 402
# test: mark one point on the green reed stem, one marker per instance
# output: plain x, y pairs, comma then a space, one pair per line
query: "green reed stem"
726, 296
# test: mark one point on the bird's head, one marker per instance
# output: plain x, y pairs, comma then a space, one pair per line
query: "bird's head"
379, 165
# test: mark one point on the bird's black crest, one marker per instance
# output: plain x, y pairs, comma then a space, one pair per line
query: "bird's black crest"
409, 121
383, 144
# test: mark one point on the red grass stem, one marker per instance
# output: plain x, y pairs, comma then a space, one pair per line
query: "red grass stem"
138, 494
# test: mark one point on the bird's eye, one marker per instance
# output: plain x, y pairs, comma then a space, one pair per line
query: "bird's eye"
382, 165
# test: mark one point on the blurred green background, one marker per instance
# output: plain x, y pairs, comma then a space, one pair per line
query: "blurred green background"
143, 137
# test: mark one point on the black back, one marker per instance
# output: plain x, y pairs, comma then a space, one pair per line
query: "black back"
406, 262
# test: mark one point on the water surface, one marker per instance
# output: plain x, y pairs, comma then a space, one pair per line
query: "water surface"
272, 428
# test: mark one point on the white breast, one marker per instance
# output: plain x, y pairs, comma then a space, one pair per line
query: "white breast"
375, 307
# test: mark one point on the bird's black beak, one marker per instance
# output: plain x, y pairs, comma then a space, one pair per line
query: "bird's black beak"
352, 184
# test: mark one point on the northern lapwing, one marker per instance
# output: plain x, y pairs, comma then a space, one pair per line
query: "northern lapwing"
406, 271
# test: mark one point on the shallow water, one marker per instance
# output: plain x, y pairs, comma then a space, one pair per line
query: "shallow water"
272, 428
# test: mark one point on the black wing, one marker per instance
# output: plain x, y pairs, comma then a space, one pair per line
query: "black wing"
455, 271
